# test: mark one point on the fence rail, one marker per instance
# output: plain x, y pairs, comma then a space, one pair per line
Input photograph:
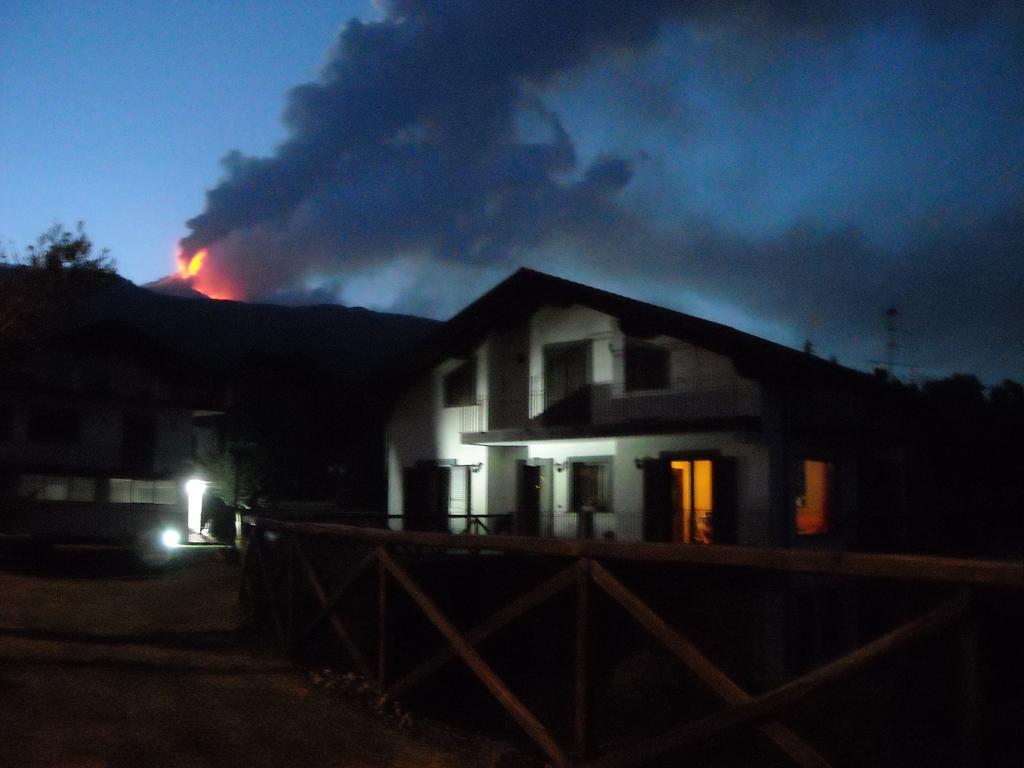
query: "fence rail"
278, 570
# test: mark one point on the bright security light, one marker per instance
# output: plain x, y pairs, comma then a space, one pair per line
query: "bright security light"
194, 489
170, 538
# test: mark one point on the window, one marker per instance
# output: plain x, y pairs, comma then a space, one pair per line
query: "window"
53, 425
48, 488
43, 488
142, 491
165, 492
566, 370
814, 491
120, 490
591, 485
460, 385
125, 490
647, 366
82, 489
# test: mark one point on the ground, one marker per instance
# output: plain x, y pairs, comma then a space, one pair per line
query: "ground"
104, 664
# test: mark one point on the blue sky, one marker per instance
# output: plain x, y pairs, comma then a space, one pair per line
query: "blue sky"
792, 176
117, 113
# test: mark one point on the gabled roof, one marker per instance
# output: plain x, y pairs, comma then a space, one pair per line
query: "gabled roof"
527, 290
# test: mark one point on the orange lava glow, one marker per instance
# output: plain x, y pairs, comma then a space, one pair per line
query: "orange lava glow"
204, 278
189, 267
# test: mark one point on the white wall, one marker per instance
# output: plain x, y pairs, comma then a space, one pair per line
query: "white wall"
422, 429
555, 325
752, 470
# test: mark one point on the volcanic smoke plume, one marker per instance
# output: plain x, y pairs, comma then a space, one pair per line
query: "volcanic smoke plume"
430, 136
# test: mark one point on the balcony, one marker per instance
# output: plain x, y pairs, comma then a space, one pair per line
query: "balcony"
609, 405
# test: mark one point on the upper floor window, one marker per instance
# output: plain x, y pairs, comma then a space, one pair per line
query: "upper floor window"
566, 370
647, 366
815, 481
53, 425
460, 385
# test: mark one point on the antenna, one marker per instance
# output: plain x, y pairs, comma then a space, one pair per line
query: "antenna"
890, 340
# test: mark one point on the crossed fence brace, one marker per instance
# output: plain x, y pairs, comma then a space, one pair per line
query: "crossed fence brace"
760, 711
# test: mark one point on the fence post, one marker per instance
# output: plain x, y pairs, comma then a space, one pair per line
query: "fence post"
289, 630
581, 719
382, 622
971, 695
245, 598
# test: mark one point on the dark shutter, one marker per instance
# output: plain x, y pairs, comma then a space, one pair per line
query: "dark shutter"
528, 508
439, 493
414, 493
724, 519
425, 497
657, 501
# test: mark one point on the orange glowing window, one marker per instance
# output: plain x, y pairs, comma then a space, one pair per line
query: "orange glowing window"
814, 490
695, 506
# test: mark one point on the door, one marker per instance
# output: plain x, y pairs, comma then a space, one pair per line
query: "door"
693, 497
690, 500
425, 497
529, 495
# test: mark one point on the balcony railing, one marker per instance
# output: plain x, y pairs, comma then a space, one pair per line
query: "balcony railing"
610, 404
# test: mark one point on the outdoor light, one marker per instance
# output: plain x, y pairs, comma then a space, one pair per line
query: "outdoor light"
194, 489
476, 467
559, 466
170, 538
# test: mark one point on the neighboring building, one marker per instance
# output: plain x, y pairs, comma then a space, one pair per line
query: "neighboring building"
98, 430
551, 408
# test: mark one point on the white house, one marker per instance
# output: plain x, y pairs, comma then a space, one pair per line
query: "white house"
551, 408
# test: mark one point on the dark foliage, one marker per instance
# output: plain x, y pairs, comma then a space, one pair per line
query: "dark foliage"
965, 484
40, 285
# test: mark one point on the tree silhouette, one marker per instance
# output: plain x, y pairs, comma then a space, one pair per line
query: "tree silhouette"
39, 285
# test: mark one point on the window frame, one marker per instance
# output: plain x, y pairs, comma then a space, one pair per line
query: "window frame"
609, 463
552, 354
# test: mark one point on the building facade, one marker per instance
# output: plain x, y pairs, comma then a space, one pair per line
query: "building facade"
551, 408
98, 433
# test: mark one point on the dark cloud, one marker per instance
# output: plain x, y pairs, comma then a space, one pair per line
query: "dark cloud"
411, 143
957, 284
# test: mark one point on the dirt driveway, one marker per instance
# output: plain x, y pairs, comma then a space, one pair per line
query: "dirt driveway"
103, 665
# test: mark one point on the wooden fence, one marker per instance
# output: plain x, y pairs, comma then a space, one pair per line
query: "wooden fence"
279, 572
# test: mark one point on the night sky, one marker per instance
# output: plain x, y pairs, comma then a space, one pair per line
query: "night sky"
791, 168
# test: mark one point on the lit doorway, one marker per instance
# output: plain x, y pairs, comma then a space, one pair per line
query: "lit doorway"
692, 501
